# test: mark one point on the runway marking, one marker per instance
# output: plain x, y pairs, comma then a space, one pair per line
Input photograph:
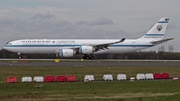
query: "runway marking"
14, 64
79, 65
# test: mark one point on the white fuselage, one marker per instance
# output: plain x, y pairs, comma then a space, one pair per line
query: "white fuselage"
88, 47
52, 46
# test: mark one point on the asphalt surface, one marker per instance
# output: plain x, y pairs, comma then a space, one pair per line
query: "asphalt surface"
92, 63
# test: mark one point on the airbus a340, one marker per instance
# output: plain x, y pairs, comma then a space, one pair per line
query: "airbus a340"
88, 47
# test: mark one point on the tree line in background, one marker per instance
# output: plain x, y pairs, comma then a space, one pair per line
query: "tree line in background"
160, 55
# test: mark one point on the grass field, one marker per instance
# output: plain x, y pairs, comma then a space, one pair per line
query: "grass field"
156, 90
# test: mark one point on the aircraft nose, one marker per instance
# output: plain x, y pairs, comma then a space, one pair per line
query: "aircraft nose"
4, 48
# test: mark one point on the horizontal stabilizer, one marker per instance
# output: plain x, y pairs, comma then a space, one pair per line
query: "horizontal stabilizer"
161, 41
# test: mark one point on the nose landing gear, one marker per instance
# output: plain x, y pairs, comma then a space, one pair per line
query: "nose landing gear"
19, 55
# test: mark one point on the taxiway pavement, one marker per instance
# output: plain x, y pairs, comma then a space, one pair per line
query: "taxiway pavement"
93, 63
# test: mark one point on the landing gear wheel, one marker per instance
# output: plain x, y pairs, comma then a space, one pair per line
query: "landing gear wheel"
92, 57
85, 56
88, 57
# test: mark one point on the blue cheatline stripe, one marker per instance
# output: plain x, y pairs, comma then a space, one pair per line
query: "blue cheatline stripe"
41, 45
61, 46
154, 35
162, 22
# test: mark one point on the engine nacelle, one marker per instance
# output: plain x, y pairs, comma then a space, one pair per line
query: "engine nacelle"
86, 49
67, 52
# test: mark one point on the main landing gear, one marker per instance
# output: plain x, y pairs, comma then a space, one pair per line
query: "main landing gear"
88, 56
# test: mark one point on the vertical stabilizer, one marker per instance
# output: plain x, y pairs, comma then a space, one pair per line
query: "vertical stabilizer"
158, 30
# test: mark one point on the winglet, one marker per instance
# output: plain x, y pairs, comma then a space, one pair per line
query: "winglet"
122, 40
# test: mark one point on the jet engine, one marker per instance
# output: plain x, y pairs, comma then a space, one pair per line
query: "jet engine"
67, 52
86, 49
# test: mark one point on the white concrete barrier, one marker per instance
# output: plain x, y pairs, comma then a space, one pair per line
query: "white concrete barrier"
89, 77
27, 79
38, 79
108, 77
149, 76
121, 77
140, 76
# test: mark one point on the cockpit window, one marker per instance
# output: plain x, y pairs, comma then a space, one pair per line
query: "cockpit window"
9, 43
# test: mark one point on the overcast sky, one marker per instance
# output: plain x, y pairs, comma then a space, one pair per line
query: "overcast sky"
87, 19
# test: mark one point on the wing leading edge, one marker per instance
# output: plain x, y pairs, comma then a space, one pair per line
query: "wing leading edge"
98, 47
105, 45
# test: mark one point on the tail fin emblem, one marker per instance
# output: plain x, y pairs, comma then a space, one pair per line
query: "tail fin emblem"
159, 27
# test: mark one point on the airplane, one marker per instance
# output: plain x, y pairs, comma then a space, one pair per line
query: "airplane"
89, 47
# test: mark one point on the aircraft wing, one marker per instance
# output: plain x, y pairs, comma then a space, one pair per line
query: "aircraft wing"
101, 46
161, 41
105, 45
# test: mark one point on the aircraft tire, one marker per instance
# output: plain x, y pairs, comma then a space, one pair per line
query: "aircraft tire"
92, 57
